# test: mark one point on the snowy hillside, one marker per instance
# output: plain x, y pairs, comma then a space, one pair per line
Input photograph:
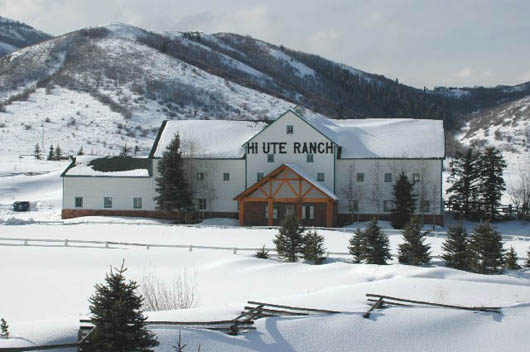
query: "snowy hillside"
15, 35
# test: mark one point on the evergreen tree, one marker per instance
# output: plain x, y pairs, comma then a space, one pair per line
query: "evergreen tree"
404, 202
510, 261
51, 154
456, 248
289, 239
81, 152
124, 151
464, 179
527, 262
356, 245
136, 149
263, 253
58, 154
414, 251
119, 324
375, 245
491, 183
4, 329
37, 153
313, 247
486, 248
171, 185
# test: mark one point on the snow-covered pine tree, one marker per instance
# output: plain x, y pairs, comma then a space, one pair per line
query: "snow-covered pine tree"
80, 152
527, 261
171, 185
356, 245
456, 251
491, 182
375, 244
313, 247
464, 182
414, 251
58, 154
4, 329
51, 154
486, 249
404, 202
510, 260
37, 153
119, 324
289, 239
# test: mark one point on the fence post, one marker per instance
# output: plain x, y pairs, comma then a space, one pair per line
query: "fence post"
25, 242
66, 242
191, 247
106, 245
235, 250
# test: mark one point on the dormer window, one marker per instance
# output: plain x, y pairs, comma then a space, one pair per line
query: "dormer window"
289, 129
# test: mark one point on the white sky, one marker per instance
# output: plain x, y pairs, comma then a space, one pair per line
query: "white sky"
420, 42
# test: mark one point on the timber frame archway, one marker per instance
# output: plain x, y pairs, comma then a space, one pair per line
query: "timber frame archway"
287, 190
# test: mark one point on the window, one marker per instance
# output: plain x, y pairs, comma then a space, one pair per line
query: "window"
388, 177
360, 177
226, 176
78, 202
275, 211
308, 212
270, 158
137, 203
259, 177
426, 207
320, 177
289, 129
202, 203
107, 202
415, 177
353, 205
200, 176
388, 205
309, 158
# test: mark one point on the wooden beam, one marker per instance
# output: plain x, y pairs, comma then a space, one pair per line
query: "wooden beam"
271, 213
292, 189
241, 212
311, 187
278, 189
329, 218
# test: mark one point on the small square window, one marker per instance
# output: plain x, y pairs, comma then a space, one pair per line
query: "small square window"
388, 205
290, 129
275, 211
202, 203
226, 176
310, 158
107, 202
353, 205
270, 158
200, 176
426, 208
320, 177
259, 176
137, 203
415, 177
78, 202
360, 177
388, 177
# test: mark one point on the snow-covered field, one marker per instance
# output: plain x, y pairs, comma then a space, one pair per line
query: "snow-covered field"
44, 289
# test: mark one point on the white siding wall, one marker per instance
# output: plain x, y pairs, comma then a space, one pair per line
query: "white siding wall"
303, 132
429, 170
121, 189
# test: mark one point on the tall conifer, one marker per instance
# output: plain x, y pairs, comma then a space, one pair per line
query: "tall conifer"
414, 251
289, 239
375, 244
356, 245
491, 183
487, 250
456, 251
404, 202
464, 180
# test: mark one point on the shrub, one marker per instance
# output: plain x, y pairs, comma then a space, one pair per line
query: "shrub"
263, 253
313, 247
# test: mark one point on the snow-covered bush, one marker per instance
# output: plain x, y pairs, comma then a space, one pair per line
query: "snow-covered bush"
178, 293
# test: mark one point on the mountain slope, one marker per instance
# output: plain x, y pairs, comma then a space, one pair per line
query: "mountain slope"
15, 35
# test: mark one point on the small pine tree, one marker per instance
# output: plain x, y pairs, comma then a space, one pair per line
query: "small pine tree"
486, 248
37, 153
51, 154
356, 247
119, 324
313, 247
375, 244
527, 262
4, 329
414, 251
136, 149
58, 154
124, 151
289, 239
81, 152
510, 261
404, 202
263, 253
456, 248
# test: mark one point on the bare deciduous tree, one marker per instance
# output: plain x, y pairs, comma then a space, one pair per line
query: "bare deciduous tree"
376, 196
519, 191
353, 191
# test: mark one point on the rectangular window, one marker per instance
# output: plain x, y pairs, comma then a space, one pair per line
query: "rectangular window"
107, 202
415, 177
388, 205
226, 176
270, 158
309, 158
259, 177
137, 203
200, 176
202, 203
308, 212
320, 177
426, 206
275, 211
290, 129
388, 177
360, 177
353, 205
78, 202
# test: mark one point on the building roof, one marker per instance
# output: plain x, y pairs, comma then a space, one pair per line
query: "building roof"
311, 180
116, 166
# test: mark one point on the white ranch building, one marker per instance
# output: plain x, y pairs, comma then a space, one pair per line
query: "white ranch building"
328, 172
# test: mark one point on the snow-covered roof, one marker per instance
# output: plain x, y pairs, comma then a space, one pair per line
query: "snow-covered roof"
207, 138
311, 180
109, 167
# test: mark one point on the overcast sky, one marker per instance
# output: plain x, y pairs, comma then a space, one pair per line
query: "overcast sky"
420, 42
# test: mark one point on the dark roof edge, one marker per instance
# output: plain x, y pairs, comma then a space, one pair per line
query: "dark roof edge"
157, 139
